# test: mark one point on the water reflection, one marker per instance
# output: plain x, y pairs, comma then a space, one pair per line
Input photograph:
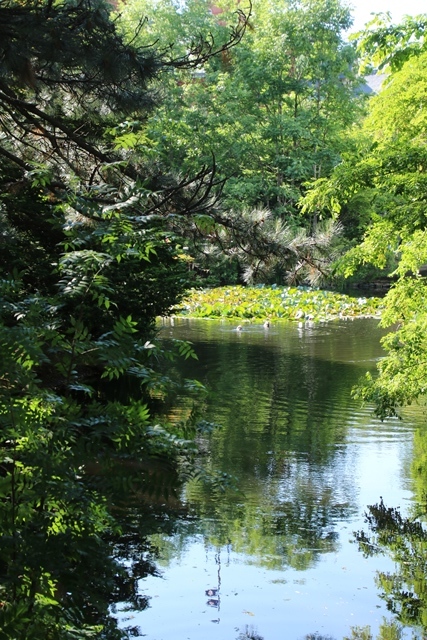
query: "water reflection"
284, 406
282, 485
249, 633
214, 592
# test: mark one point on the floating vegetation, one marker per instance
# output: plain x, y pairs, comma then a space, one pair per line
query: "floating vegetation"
301, 304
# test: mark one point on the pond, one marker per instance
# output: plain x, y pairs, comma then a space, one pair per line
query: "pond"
273, 552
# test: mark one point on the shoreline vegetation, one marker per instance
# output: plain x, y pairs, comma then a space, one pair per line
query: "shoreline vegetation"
276, 303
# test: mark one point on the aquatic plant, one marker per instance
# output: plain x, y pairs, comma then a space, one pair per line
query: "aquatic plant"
302, 304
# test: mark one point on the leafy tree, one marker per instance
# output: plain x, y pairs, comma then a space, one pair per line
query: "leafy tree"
386, 182
89, 258
272, 112
399, 162
387, 46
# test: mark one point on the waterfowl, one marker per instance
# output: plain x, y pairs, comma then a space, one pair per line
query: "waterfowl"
239, 327
267, 324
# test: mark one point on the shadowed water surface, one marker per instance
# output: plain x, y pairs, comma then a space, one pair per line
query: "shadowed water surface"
274, 551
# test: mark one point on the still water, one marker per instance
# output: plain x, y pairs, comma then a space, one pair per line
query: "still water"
274, 552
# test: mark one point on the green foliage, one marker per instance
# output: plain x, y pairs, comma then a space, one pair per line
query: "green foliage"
386, 181
272, 112
254, 247
402, 374
383, 180
57, 420
89, 257
277, 303
380, 247
273, 120
403, 366
388, 46
397, 115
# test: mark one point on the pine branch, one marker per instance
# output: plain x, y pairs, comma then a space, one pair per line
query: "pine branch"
203, 49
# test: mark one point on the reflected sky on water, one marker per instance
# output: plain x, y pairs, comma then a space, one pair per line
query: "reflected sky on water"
274, 551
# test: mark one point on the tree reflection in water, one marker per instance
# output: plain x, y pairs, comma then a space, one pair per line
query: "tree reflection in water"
405, 540
249, 633
214, 592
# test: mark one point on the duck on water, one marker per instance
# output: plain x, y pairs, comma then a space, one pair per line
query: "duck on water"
266, 325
